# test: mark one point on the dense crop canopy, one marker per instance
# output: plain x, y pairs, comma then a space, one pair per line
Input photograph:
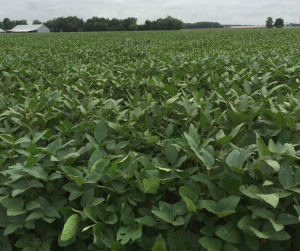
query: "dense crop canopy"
179, 141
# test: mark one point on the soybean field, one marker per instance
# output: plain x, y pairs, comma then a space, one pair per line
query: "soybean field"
150, 141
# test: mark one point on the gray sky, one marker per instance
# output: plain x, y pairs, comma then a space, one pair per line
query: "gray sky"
226, 12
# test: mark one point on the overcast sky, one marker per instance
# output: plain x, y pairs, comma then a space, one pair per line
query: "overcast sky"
189, 11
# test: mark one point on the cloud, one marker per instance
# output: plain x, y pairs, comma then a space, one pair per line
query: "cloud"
225, 12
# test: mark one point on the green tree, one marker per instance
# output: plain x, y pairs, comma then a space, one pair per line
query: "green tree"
269, 22
96, 24
21, 22
36, 22
6, 23
279, 23
128, 21
147, 24
202, 25
132, 27
168, 23
67, 24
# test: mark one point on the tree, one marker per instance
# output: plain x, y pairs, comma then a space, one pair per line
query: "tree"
279, 23
202, 25
147, 24
67, 24
132, 27
6, 23
128, 21
269, 22
96, 24
22, 22
36, 22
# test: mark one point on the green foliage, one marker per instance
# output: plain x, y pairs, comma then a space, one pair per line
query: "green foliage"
8, 24
177, 141
279, 23
168, 23
269, 22
202, 25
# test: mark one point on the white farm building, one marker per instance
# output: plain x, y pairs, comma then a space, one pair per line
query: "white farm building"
2, 31
35, 28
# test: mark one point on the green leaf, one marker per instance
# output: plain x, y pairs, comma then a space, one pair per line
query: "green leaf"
211, 244
147, 220
169, 130
82, 126
236, 130
193, 132
287, 219
246, 222
36, 172
237, 158
297, 176
54, 146
191, 141
31, 160
152, 140
230, 233
290, 120
127, 216
14, 206
171, 100
157, 247
229, 247
263, 150
178, 222
251, 191
70, 227
223, 207
208, 158
232, 182
186, 191
94, 157
161, 240
172, 154
117, 246
251, 241
273, 235
271, 199
274, 164
247, 87
22, 140
151, 185
175, 242
97, 230
165, 212
24, 241
225, 140
7, 138
190, 205
244, 102
259, 234
280, 120
100, 132
86, 199
285, 176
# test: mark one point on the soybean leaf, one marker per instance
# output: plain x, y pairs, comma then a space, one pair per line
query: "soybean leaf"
70, 227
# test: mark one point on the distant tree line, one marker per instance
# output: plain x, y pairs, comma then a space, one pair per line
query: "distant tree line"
202, 25
8, 24
168, 23
75, 24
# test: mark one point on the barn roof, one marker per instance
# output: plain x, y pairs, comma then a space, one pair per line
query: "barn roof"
26, 28
2, 30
